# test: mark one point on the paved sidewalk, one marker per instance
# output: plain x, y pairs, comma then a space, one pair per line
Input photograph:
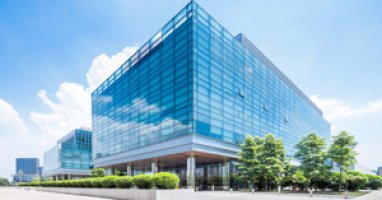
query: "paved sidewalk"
220, 195
375, 195
18, 194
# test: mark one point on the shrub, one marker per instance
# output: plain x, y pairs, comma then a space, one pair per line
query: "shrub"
97, 182
355, 183
374, 182
66, 183
22, 184
117, 173
52, 183
165, 180
124, 182
98, 172
82, 182
77, 183
60, 183
87, 182
35, 184
143, 181
44, 184
334, 181
72, 183
108, 181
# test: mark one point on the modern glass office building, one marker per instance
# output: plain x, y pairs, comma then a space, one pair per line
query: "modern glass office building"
26, 169
71, 157
188, 97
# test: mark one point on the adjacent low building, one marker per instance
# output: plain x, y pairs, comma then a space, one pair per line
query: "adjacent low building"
71, 157
188, 97
379, 171
26, 169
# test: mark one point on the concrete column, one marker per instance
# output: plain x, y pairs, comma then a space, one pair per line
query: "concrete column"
225, 175
154, 167
109, 171
191, 166
69, 176
128, 170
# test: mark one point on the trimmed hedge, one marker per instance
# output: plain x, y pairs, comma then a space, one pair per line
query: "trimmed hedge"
166, 180
108, 182
144, 181
124, 182
88, 182
162, 180
97, 182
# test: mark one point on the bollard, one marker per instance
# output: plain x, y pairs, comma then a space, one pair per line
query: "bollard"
253, 191
213, 188
279, 189
346, 194
311, 193
230, 190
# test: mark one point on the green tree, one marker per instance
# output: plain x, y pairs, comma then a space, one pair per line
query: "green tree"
248, 159
117, 173
271, 161
342, 152
373, 181
39, 179
98, 172
310, 152
336, 179
356, 181
323, 180
4, 182
296, 179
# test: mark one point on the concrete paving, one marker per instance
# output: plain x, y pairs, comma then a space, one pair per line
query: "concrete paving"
375, 195
247, 196
17, 194
218, 195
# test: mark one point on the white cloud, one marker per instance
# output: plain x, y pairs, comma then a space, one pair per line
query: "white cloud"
336, 109
10, 121
71, 106
103, 66
14, 137
362, 121
70, 110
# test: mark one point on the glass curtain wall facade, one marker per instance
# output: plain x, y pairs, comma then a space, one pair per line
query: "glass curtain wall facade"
239, 92
148, 99
26, 169
193, 79
71, 157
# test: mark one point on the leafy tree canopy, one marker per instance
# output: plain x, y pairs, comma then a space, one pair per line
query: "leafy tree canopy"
4, 182
98, 172
310, 152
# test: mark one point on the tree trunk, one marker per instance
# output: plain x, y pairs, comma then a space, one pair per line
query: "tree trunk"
339, 189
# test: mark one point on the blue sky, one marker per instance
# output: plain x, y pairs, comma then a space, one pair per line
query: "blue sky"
53, 52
